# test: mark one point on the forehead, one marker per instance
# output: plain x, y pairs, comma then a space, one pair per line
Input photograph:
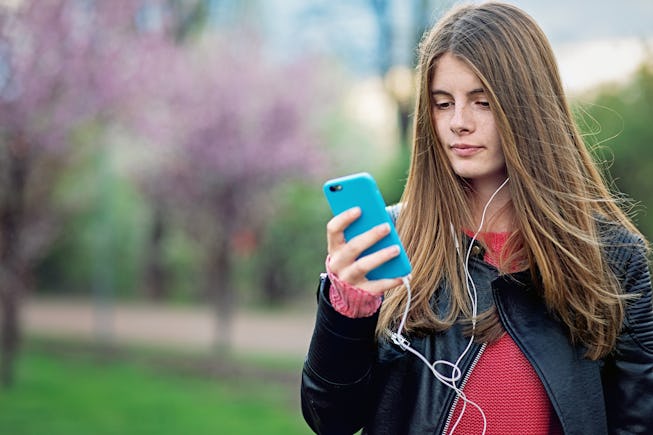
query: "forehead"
452, 73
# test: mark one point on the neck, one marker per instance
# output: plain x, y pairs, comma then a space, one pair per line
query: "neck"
499, 213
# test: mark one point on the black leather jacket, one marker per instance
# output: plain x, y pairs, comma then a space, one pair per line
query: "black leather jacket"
350, 381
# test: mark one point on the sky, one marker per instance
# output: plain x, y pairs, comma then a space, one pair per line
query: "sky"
594, 40
567, 21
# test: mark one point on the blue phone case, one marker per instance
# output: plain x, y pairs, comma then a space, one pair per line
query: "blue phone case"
360, 190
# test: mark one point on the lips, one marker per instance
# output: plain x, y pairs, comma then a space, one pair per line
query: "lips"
465, 150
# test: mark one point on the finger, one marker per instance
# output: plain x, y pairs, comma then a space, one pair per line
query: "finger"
344, 255
367, 239
337, 225
378, 287
357, 271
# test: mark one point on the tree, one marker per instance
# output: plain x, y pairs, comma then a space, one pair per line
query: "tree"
235, 126
617, 122
63, 64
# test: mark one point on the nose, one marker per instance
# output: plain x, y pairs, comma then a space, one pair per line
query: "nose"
462, 121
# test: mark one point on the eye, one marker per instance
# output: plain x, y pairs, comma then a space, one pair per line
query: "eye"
442, 105
484, 104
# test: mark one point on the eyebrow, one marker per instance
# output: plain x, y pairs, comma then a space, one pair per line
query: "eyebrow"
476, 91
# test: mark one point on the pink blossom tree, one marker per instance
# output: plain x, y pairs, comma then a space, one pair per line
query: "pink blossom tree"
63, 64
235, 126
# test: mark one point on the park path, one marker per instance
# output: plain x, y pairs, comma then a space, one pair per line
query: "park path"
284, 333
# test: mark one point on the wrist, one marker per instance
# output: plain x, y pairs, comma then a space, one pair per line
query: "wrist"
351, 301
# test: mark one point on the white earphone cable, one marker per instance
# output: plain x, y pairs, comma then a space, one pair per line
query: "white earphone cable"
456, 373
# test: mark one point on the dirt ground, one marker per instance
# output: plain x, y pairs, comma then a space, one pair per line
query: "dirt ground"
284, 333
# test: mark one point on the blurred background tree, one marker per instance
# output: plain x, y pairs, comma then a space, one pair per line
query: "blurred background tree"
617, 122
65, 65
234, 128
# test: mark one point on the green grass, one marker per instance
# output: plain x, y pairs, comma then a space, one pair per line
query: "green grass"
58, 394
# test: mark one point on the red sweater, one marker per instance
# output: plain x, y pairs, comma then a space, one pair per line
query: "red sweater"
507, 389
504, 385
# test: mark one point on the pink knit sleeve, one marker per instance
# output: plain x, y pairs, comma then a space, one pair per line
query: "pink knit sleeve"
351, 301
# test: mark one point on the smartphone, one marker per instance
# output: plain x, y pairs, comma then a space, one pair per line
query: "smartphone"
360, 190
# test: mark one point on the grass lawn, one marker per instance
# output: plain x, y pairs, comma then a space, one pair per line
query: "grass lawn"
58, 394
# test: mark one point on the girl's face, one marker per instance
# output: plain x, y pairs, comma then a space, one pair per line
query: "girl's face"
465, 124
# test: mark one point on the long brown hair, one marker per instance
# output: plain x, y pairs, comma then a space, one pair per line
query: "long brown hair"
556, 190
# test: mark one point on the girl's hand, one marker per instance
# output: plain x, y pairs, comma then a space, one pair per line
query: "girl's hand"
343, 255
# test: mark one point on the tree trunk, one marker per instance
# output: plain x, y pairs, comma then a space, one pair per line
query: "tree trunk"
404, 125
11, 286
155, 271
274, 285
221, 290
10, 339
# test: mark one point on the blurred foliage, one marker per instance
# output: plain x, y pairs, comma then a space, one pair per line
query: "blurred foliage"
182, 263
616, 121
107, 219
105, 223
293, 247
179, 89
392, 178
281, 243
64, 65
289, 246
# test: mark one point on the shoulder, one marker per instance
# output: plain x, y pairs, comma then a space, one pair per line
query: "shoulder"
615, 233
620, 245
627, 255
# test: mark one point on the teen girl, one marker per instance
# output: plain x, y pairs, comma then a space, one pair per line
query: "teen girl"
529, 308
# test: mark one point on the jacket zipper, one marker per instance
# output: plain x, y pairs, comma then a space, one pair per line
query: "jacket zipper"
462, 385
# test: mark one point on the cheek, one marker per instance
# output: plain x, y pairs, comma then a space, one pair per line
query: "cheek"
492, 133
499, 145
439, 123
500, 156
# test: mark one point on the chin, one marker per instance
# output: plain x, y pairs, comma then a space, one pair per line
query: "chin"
468, 175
